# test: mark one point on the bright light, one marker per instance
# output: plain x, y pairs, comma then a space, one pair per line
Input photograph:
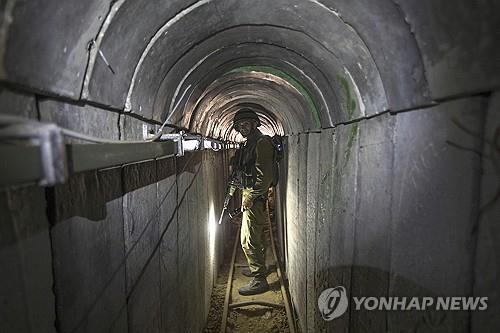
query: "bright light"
212, 230
209, 144
267, 131
190, 145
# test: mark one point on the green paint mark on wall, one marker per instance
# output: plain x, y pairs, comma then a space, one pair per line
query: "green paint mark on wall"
350, 100
291, 80
352, 136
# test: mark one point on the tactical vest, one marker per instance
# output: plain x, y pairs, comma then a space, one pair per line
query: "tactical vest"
247, 157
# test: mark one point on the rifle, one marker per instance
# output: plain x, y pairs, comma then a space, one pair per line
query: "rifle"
235, 181
231, 215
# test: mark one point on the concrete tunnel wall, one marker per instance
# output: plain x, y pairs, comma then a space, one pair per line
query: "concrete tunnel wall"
124, 249
384, 203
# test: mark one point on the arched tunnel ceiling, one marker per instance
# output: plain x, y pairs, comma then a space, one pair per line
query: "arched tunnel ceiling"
340, 56
352, 58
280, 105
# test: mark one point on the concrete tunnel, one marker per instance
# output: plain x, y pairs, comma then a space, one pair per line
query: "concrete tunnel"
389, 185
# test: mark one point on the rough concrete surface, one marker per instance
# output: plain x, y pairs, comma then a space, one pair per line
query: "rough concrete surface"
84, 119
405, 232
88, 251
18, 104
26, 299
389, 109
53, 41
486, 261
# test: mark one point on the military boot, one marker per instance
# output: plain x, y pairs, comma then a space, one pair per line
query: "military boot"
257, 285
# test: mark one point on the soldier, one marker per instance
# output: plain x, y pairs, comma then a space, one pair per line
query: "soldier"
256, 162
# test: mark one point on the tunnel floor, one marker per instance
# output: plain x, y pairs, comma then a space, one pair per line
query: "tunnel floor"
250, 318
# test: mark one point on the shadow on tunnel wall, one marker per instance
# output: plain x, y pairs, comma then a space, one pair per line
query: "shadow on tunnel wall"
114, 247
86, 194
397, 205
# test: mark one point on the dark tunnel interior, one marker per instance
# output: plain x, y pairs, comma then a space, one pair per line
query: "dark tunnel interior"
389, 185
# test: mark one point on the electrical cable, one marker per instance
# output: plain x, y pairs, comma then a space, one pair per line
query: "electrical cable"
10, 120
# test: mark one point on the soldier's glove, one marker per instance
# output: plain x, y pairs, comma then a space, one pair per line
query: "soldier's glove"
247, 204
226, 201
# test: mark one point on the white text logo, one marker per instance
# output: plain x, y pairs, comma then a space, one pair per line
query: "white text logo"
333, 303
421, 303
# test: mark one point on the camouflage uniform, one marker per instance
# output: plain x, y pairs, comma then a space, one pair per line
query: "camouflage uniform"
257, 164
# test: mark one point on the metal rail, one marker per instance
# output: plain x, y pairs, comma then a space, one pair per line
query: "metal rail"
284, 292
86, 157
25, 164
229, 284
286, 299
243, 304
33, 151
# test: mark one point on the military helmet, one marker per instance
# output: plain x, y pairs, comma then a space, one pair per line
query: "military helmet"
246, 113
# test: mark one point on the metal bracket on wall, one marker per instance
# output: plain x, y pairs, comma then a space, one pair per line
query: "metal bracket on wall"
178, 139
193, 142
32, 151
46, 160
42, 154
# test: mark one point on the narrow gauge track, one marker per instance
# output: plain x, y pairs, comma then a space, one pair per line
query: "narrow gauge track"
228, 300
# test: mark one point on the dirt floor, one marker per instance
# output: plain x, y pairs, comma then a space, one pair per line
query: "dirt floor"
250, 318
217, 301
257, 318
